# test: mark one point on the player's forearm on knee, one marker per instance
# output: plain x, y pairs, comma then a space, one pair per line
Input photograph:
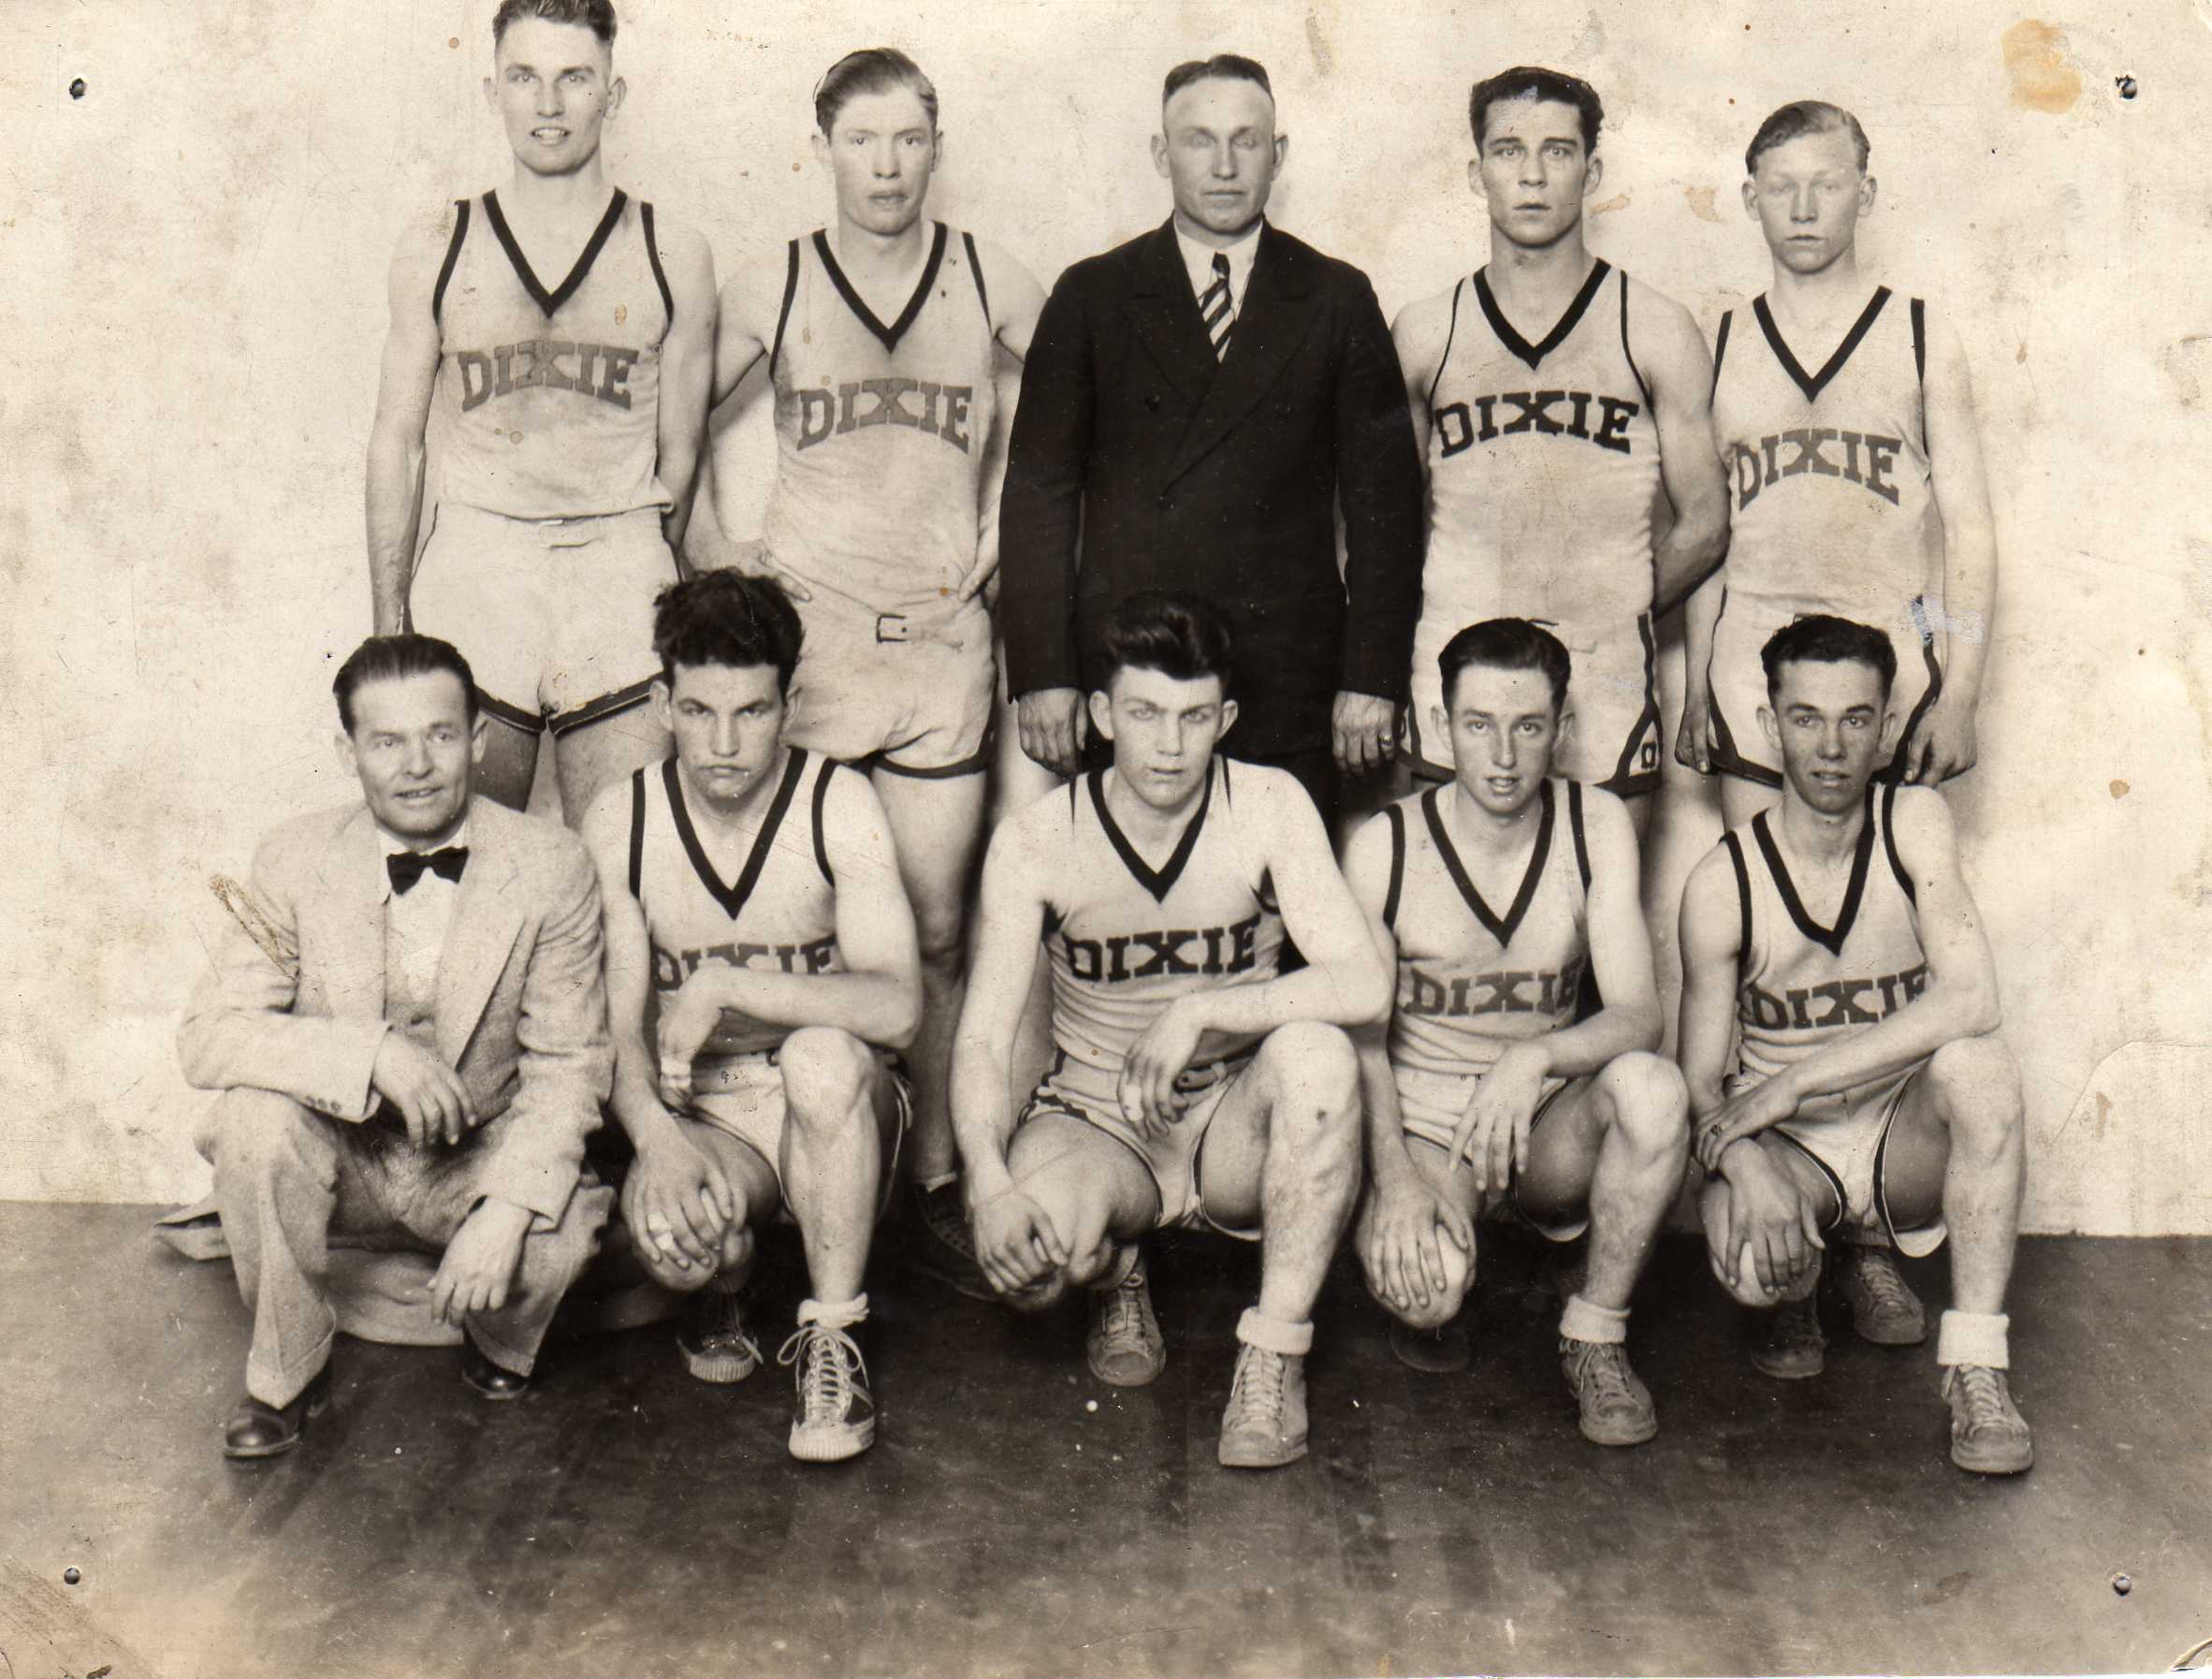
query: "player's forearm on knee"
1331, 994
876, 1008
982, 1115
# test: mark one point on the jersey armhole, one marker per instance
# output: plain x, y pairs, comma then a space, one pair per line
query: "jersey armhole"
1742, 899
1720, 351
1624, 349
1397, 819
453, 248
645, 220
1920, 363
791, 290
1896, 864
975, 267
637, 803
1582, 840
1452, 333
822, 783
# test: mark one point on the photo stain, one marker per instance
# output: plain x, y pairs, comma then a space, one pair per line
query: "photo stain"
2120, 790
1701, 203
2041, 77
76, 88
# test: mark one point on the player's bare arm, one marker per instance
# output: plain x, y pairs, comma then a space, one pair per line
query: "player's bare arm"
396, 447
687, 371
1944, 744
1419, 335
1016, 301
744, 331
1671, 353
1698, 742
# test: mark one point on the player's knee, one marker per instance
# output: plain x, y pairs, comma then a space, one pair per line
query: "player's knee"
1651, 1104
825, 1073
252, 1131
1314, 1074
1976, 1085
1443, 1303
940, 937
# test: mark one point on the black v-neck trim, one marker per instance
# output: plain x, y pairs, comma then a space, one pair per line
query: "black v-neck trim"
550, 302
1814, 383
1160, 882
1539, 854
1510, 337
888, 335
1829, 939
731, 898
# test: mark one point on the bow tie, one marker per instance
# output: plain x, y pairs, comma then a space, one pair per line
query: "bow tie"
407, 867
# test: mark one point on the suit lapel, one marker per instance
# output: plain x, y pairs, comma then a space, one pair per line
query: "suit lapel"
485, 924
1273, 319
349, 965
1165, 315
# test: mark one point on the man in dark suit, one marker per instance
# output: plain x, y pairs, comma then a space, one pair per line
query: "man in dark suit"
408, 1024
1194, 406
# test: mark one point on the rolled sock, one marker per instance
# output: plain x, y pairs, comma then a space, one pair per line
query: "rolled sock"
1272, 1335
1974, 1338
926, 1185
835, 1314
1583, 1322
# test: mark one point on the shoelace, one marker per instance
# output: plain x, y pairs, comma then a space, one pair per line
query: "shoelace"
721, 1324
1124, 1311
1877, 1275
1797, 1322
1985, 1398
947, 1222
1258, 1394
826, 1379
1605, 1367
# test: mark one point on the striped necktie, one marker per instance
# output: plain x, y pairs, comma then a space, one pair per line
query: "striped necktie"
1216, 310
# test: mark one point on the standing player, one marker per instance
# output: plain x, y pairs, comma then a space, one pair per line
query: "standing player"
563, 420
1193, 1085
878, 333
1554, 397
756, 926
1859, 488
1487, 1085
1871, 1095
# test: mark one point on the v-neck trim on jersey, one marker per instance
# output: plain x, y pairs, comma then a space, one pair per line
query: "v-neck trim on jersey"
1539, 854
1814, 383
731, 898
1158, 882
550, 302
1829, 939
1509, 335
889, 336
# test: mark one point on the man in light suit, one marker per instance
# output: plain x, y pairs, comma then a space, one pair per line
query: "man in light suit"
1194, 406
407, 1021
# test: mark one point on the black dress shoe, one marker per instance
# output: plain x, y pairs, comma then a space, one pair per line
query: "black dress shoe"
494, 1382
258, 1429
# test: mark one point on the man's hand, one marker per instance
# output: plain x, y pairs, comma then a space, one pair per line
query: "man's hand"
1744, 1115
1156, 1060
1015, 1242
1943, 744
479, 1264
681, 1203
1700, 741
1364, 728
1492, 1136
686, 1023
1405, 1232
1053, 728
1770, 1221
429, 1094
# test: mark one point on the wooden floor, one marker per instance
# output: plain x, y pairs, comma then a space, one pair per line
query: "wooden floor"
626, 1520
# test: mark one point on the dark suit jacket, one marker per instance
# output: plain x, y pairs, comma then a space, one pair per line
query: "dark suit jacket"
1175, 471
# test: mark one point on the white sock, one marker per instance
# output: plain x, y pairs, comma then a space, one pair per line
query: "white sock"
1582, 1321
835, 1314
1272, 1335
1974, 1338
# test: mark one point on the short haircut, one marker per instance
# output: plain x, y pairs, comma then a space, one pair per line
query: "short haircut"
1179, 635
390, 658
1232, 67
871, 70
1820, 639
1506, 644
1531, 81
1801, 117
727, 617
598, 16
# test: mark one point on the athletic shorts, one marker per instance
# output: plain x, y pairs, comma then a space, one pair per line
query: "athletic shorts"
910, 693
1740, 686
1845, 1134
1612, 695
1084, 1092
554, 616
1431, 1106
742, 1096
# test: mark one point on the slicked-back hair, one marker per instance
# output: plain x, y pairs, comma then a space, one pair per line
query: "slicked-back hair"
1820, 639
1233, 67
598, 16
871, 70
1801, 117
1533, 81
391, 658
1506, 644
727, 617
1179, 635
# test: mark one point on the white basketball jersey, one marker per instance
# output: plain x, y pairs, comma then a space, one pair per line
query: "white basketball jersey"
1802, 986
1831, 503
1125, 939
779, 914
1543, 465
547, 403
1473, 981
881, 430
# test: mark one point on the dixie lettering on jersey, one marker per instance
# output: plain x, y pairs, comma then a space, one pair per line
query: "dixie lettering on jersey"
1594, 419
1509, 991
1862, 458
1174, 951
671, 968
1832, 1003
842, 407
600, 372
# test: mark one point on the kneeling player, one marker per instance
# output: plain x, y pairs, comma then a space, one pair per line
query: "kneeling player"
1485, 1085
1872, 1097
754, 885
1193, 1084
